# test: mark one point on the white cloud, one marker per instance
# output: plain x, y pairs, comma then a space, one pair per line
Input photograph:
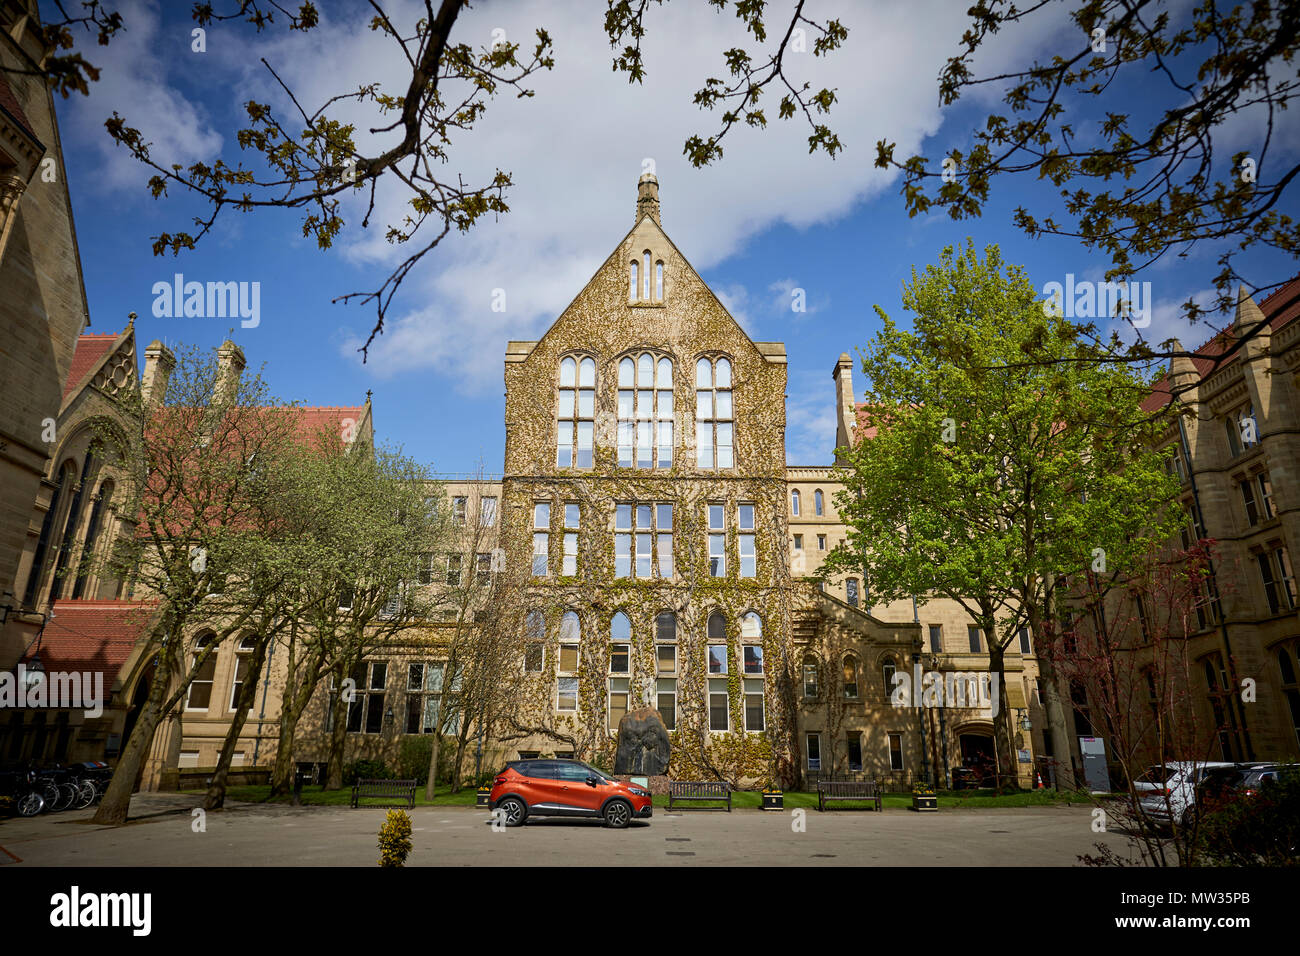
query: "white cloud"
134, 83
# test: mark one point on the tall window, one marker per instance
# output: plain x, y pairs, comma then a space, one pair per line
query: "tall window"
819, 503
620, 667
714, 427
717, 647
1257, 496
1242, 430
541, 538
366, 710
855, 750
745, 540
576, 413
643, 540
936, 638
1225, 716
101, 501
566, 684
717, 540
973, 636
1027, 648
811, 684
453, 570
850, 677
666, 667
483, 568
423, 696
645, 412
1279, 582
888, 670
751, 639
200, 695
851, 591
895, 751
794, 502
242, 655
458, 506
487, 512
814, 751
1286, 665
571, 518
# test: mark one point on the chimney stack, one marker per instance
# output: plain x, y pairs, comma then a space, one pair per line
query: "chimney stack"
846, 406
647, 197
158, 364
230, 365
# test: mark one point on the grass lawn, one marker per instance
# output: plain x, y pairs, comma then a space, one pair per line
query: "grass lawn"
740, 800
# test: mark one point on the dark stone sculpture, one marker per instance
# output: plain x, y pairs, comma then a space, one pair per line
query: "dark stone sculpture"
643, 746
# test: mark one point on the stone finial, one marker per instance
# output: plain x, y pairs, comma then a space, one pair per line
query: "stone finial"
1182, 370
647, 197
158, 364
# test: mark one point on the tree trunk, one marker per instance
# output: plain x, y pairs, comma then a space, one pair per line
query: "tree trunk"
113, 808
338, 743
1054, 712
1004, 746
433, 760
215, 798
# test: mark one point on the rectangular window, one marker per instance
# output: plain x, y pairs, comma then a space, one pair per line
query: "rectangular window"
541, 556
851, 591
719, 718
810, 688
666, 658
748, 559
425, 574
895, 751
534, 657
570, 566
458, 506
754, 705
717, 658
487, 512
855, 750
568, 658
483, 568
618, 659
753, 659
453, 570
745, 516
798, 542
1247, 488
571, 515
814, 751
643, 540
666, 693
973, 635
566, 695
936, 638
1265, 486
1025, 646
821, 542
618, 698
1279, 584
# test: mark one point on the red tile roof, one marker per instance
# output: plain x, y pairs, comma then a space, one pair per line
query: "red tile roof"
90, 349
9, 103
94, 635
1280, 309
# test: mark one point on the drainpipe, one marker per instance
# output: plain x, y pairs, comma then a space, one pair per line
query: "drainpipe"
1214, 591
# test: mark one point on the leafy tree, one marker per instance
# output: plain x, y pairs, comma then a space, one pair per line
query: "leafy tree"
980, 479
195, 464
1136, 184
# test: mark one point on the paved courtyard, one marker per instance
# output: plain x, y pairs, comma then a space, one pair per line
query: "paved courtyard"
161, 834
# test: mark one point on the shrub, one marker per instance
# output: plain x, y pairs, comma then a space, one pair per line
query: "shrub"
1258, 830
413, 762
395, 839
359, 769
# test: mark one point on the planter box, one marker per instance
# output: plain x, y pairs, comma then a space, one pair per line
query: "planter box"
482, 796
774, 801
925, 802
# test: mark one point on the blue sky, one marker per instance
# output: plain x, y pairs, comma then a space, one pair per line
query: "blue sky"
767, 218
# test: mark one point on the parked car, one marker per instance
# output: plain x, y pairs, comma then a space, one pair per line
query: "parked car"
566, 788
1174, 799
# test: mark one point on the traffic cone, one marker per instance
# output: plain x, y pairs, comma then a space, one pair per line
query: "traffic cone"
1038, 780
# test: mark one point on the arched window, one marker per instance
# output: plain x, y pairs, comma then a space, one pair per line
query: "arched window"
645, 284
576, 413
889, 669
850, 677
634, 287
794, 502
66, 480
659, 280
102, 501
751, 638
645, 412
811, 681
819, 505
714, 426
200, 695
717, 626
620, 628
243, 654
717, 649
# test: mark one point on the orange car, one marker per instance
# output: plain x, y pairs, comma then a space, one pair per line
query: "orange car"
566, 788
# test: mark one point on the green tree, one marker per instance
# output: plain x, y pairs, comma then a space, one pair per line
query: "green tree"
985, 478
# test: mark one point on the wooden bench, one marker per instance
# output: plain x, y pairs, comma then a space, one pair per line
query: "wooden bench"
829, 790
367, 789
686, 791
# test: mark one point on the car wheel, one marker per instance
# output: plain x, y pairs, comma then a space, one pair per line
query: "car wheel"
514, 811
617, 814
30, 804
